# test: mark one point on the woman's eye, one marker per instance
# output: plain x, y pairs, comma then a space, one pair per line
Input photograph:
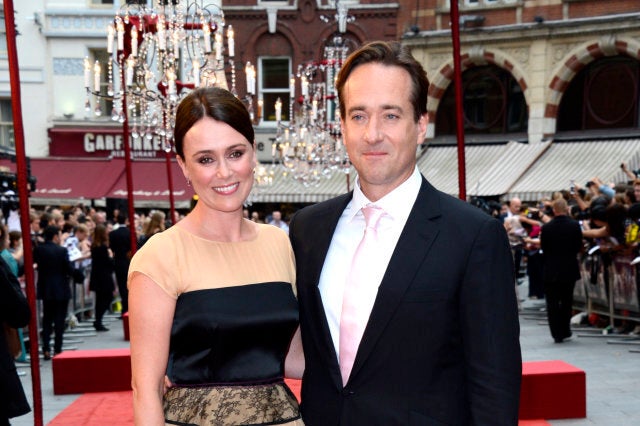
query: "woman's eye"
205, 160
236, 154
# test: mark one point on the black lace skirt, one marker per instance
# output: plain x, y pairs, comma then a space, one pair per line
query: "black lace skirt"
269, 404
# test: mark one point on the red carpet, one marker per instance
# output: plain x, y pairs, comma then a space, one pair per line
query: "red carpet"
100, 409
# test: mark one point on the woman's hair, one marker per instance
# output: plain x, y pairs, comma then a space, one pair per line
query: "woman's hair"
154, 224
392, 54
14, 237
100, 236
215, 103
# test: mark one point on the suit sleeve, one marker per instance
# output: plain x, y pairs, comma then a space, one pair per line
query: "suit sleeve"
14, 308
490, 327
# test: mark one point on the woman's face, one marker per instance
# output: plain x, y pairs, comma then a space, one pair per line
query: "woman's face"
219, 162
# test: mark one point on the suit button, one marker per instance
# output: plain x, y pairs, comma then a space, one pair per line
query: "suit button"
347, 392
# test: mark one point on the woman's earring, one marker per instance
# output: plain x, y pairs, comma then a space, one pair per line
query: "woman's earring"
188, 182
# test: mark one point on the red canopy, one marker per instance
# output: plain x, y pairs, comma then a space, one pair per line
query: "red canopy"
151, 184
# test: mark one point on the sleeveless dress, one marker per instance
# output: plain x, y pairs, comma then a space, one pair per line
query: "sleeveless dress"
236, 312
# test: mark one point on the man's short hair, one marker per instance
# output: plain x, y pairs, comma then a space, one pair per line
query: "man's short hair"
50, 232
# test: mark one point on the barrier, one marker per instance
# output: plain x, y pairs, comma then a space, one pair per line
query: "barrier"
95, 370
609, 285
552, 390
125, 325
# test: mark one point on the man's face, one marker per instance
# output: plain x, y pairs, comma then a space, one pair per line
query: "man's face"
380, 133
515, 206
636, 192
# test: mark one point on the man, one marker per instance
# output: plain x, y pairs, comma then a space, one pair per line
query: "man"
439, 331
54, 273
276, 220
560, 241
120, 244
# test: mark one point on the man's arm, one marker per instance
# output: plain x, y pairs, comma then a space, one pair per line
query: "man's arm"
491, 329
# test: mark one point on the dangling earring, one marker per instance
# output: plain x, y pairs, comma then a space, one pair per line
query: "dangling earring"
188, 182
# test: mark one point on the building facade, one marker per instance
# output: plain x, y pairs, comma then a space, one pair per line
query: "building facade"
535, 71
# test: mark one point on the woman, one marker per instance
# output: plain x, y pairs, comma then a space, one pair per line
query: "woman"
211, 300
101, 277
154, 225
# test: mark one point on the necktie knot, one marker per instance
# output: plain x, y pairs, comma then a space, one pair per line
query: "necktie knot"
372, 215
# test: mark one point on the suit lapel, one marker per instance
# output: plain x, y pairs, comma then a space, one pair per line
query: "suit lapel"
413, 245
326, 221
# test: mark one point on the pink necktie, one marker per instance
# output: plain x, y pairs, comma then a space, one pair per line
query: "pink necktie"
353, 319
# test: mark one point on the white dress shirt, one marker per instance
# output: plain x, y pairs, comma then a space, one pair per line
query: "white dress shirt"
349, 231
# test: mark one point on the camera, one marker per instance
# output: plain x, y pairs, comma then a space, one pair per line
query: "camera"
572, 188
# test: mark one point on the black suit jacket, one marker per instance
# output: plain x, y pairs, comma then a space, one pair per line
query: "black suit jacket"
442, 342
15, 311
120, 244
561, 241
54, 271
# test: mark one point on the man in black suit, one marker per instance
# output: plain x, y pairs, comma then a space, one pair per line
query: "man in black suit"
54, 274
560, 241
120, 244
440, 339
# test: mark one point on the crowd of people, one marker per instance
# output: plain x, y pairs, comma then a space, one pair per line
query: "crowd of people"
549, 237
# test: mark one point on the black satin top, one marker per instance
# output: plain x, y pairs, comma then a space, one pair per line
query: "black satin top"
232, 335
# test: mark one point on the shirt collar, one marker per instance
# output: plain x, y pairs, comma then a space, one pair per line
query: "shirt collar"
397, 204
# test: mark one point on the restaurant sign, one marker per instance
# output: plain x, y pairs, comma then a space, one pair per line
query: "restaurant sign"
101, 142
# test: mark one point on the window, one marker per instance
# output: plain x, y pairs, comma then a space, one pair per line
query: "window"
274, 75
105, 104
604, 95
7, 140
493, 104
3, 35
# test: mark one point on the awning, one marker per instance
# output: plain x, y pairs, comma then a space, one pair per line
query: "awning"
61, 181
578, 161
286, 189
151, 185
490, 169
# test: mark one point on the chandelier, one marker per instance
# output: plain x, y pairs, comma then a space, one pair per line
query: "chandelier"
155, 55
309, 147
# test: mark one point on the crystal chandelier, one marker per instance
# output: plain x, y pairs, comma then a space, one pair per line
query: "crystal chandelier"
309, 148
155, 55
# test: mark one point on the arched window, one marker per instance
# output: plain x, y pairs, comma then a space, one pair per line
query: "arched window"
493, 104
604, 95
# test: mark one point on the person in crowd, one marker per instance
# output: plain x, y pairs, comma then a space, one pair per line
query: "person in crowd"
16, 249
155, 224
534, 260
120, 244
35, 229
14, 313
101, 277
561, 241
255, 217
423, 328
276, 220
53, 288
214, 284
9, 258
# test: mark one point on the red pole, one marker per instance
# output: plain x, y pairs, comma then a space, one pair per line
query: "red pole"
457, 72
127, 166
23, 195
172, 204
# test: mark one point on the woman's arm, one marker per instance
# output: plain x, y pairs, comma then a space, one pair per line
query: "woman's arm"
151, 313
294, 363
